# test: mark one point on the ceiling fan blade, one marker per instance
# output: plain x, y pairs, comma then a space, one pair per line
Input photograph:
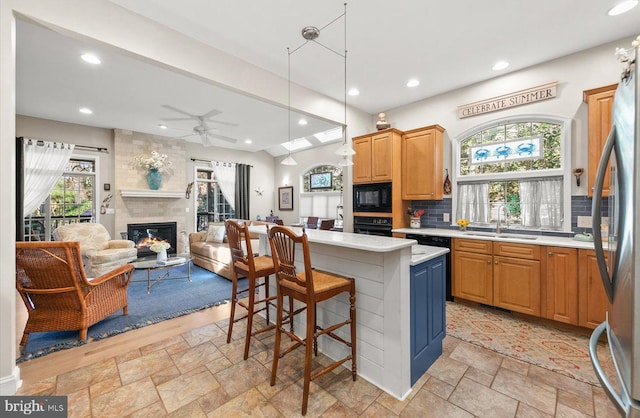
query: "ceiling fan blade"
175, 109
222, 137
175, 119
222, 123
187, 135
212, 112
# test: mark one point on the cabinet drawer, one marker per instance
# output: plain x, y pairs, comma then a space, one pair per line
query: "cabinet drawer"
472, 245
510, 249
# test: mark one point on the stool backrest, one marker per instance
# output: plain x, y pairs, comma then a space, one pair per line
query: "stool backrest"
284, 242
237, 232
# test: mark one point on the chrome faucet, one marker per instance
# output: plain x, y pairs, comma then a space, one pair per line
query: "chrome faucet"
499, 226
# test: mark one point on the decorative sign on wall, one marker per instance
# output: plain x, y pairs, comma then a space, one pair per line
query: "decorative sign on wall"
514, 150
518, 98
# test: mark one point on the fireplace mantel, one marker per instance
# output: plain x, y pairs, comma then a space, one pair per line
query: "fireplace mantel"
170, 194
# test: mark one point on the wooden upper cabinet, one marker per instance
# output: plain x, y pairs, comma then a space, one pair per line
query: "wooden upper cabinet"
373, 160
362, 160
422, 163
382, 157
600, 103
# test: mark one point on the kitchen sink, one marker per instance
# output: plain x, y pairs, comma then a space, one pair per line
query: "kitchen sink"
481, 234
517, 236
507, 236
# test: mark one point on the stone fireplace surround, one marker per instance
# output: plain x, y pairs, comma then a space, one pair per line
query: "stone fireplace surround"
149, 209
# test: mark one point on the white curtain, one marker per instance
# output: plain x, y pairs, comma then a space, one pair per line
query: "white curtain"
226, 179
44, 163
541, 203
473, 202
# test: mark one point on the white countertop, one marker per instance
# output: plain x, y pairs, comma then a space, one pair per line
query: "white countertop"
373, 243
422, 253
507, 236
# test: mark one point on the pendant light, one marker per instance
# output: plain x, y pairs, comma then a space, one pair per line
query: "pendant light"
289, 160
311, 33
345, 149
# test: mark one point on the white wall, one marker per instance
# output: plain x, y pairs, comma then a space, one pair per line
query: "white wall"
575, 73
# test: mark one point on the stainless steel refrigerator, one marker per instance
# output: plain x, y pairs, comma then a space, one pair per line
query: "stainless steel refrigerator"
621, 273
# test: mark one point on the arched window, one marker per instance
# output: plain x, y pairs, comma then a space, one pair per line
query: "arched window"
517, 168
322, 192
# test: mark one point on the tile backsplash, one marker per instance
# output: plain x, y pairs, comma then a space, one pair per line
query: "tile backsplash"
434, 211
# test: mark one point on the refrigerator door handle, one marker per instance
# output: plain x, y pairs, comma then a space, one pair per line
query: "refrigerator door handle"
617, 399
597, 214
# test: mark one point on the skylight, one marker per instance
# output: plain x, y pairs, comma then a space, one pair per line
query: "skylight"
329, 135
296, 144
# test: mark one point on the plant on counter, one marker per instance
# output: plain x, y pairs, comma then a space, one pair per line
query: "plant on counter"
415, 213
462, 223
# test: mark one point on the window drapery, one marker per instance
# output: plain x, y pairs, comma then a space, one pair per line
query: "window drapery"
44, 163
473, 202
226, 178
243, 177
541, 203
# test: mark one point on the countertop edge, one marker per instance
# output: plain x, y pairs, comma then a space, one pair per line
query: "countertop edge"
422, 253
540, 240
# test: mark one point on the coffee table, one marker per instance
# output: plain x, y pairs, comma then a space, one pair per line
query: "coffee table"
163, 270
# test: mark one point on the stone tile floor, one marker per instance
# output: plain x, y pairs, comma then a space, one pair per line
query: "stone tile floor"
197, 374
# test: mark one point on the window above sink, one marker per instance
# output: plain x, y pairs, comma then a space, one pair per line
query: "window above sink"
520, 166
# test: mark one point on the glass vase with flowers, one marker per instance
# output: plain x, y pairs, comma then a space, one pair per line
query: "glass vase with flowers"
462, 224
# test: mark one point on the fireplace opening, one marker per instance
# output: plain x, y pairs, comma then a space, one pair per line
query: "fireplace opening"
145, 234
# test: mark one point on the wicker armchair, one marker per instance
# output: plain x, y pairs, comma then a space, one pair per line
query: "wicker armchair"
52, 283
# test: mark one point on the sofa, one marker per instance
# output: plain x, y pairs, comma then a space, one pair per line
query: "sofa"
210, 250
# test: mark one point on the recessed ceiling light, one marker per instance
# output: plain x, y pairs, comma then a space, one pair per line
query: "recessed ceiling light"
85, 110
302, 122
90, 58
622, 7
413, 83
248, 141
161, 126
353, 91
500, 65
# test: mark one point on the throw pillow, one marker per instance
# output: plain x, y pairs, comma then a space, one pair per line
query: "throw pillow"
219, 235
211, 233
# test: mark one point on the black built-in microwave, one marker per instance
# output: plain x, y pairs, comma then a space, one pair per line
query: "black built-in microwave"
374, 197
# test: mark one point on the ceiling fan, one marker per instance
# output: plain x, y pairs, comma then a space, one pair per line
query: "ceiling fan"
206, 133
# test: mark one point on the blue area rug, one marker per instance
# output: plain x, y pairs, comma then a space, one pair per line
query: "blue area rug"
168, 299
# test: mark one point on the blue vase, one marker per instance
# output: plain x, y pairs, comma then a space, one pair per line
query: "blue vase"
154, 178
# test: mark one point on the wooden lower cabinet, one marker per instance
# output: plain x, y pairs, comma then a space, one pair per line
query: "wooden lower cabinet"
560, 295
473, 277
593, 302
516, 284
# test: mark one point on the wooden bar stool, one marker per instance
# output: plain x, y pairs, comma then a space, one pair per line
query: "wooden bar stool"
246, 264
309, 287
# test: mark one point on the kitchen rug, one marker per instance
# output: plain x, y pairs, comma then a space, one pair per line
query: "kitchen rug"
554, 349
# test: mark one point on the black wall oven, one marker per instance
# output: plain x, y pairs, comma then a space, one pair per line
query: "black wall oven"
374, 197
372, 225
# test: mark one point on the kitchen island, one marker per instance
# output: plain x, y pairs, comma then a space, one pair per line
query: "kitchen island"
381, 268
